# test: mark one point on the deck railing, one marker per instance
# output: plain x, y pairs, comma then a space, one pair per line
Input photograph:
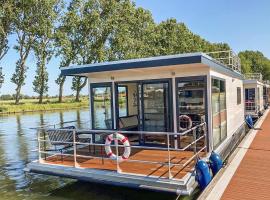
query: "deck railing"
228, 58
197, 133
251, 107
254, 76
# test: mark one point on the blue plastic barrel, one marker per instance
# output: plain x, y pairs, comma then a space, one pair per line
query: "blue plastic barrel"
203, 175
249, 121
215, 163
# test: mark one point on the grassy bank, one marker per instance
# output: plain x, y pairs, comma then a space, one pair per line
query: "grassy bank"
31, 105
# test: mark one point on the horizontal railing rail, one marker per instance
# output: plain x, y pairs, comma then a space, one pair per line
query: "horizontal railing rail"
227, 57
46, 151
254, 76
251, 106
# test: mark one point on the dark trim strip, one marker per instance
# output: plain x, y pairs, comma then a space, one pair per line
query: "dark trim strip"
131, 65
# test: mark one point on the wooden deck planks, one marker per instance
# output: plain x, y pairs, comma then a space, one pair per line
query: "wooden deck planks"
252, 178
145, 169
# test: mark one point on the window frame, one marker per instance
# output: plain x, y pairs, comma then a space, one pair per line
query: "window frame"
225, 90
95, 85
117, 101
239, 95
185, 79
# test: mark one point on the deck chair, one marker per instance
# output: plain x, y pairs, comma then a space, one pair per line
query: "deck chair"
61, 138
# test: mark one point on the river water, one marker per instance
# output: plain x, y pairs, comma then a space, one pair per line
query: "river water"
17, 142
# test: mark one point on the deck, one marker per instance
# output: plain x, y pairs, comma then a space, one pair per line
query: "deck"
252, 178
158, 169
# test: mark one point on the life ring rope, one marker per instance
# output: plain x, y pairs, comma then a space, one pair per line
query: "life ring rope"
123, 140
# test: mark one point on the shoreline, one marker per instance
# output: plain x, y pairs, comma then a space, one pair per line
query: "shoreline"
41, 110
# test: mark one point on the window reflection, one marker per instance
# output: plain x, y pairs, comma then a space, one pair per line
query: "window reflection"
219, 111
102, 107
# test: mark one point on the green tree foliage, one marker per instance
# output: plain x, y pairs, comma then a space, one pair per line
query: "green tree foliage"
102, 30
67, 42
24, 26
255, 62
6, 7
48, 13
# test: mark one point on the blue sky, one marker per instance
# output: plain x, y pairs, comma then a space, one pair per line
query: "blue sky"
243, 24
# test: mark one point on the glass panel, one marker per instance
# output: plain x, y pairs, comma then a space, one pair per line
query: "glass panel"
191, 101
128, 107
250, 94
223, 110
191, 108
123, 101
239, 95
250, 99
219, 111
155, 106
102, 107
215, 111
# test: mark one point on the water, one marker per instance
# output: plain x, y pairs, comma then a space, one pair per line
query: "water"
17, 141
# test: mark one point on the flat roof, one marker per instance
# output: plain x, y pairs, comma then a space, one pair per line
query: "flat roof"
158, 61
252, 81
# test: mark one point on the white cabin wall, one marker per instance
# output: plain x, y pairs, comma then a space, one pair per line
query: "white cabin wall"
235, 113
257, 85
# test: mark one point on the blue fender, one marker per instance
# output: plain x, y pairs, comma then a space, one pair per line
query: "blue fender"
216, 163
249, 121
203, 174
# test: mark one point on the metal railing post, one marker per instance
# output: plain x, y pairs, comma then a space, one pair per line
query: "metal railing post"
169, 156
117, 152
74, 149
39, 154
205, 137
44, 143
195, 141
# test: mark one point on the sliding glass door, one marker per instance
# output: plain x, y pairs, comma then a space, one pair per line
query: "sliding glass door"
101, 104
155, 106
219, 111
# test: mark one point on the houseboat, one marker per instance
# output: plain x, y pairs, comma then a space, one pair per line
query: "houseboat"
266, 94
254, 94
151, 119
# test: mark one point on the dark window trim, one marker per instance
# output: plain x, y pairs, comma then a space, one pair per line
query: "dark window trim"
95, 85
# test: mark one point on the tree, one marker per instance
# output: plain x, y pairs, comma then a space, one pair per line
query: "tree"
133, 35
93, 22
25, 24
5, 29
255, 62
43, 46
66, 42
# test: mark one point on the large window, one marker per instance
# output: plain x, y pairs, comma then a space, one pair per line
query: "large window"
219, 111
191, 102
101, 106
123, 101
250, 94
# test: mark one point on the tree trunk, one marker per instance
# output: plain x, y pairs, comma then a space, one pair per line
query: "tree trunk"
40, 101
17, 96
79, 88
61, 85
77, 99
